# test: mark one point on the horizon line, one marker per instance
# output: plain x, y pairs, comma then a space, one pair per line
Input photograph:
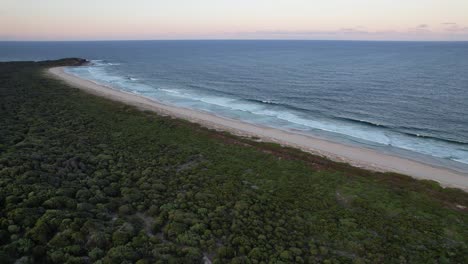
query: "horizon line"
235, 39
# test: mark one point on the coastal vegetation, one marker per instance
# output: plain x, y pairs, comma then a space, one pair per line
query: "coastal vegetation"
87, 180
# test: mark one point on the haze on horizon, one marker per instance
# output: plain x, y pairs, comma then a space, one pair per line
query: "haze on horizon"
445, 20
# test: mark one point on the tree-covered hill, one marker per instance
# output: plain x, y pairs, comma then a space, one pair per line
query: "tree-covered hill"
87, 180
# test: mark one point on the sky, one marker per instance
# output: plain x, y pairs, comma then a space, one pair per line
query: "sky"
445, 20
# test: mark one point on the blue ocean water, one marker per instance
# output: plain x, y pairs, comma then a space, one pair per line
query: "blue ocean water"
404, 98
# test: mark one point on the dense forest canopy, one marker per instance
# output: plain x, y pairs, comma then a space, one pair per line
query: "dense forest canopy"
87, 180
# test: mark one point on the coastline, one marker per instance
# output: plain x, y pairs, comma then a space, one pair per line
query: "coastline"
356, 156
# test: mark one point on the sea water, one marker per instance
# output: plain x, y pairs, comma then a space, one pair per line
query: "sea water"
404, 98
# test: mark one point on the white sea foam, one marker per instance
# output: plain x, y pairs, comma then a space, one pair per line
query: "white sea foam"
171, 91
274, 114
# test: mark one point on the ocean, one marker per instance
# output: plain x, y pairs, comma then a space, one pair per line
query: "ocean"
408, 99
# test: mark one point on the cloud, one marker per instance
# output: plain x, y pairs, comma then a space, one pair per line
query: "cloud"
420, 29
454, 28
458, 29
357, 30
292, 32
353, 30
419, 32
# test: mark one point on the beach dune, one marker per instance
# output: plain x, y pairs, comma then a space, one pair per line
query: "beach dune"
356, 156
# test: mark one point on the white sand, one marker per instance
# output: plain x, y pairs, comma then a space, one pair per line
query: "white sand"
357, 156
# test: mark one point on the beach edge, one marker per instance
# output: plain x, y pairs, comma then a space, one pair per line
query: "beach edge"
356, 156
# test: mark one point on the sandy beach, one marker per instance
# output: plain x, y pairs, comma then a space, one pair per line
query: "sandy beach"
356, 156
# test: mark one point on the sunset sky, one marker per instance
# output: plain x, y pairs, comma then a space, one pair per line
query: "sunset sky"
234, 19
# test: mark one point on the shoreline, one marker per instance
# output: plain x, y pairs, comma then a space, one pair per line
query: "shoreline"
360, 157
